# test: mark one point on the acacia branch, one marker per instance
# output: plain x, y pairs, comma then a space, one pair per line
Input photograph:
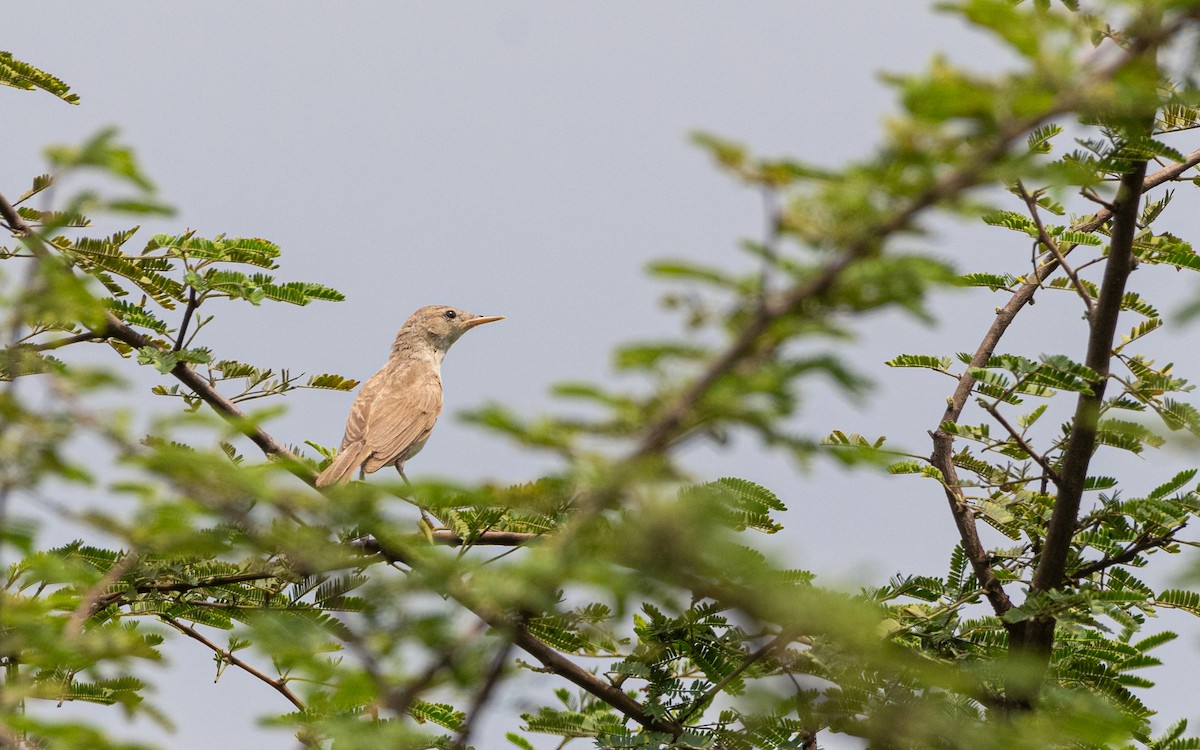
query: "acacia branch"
1020, 440
278, 683
778, 642
1082, 441
942, 457
1048, 242
668, 425
60, 343
12, 220
552, 660
1143, 543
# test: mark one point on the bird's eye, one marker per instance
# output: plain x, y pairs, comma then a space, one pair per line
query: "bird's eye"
450, 314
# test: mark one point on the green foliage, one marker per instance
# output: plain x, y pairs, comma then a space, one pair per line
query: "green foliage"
621, 572
22, 75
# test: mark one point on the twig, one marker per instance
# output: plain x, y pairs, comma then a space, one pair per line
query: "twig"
90, 602
1143, 543
192, 304
60, 343
12, 220
1048, 242
484, 694
1020, 440
776, 643
278, 683
450, 538
943, 442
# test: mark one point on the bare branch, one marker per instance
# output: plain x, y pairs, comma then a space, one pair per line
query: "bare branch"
278, 683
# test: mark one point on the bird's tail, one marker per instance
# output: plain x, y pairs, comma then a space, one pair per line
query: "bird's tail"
345, 463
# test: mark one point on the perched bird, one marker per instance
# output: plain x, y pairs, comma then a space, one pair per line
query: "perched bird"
393, 414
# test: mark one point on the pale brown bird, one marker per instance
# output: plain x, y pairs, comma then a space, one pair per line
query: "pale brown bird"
395, 411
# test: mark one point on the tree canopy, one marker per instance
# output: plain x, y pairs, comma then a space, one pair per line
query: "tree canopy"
637, 593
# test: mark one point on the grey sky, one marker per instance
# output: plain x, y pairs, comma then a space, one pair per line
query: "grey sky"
524, 159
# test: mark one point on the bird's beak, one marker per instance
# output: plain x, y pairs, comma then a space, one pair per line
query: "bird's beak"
481, 320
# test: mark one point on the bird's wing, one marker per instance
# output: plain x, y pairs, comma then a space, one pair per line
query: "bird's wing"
360, 410
402, 414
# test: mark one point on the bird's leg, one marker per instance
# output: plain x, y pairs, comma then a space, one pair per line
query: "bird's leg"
400, 468
425, 516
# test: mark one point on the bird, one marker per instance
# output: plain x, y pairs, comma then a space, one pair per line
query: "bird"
394, 413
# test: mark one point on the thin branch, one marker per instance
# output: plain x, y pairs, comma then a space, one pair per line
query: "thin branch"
60, 343
776, 643
1142, 544
192, 304
90, 602
12, 220
1020, 440
278, 683
551, 659
484, 694
1048, 242
943, 442
1082, 442
449, 538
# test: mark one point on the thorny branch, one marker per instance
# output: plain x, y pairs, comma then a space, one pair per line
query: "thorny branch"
278, 683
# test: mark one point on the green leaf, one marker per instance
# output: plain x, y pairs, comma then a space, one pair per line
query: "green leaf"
1141, 329
1011, 220
300, 292
941, 364
103, 153
1039, 139
40, 183
689, 271
332, 382
1188, 601
135, 315
995, 282
442, 714
22, 75
1176, 482
519, 741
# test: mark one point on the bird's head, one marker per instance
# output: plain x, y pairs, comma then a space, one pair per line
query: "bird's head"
438, 326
